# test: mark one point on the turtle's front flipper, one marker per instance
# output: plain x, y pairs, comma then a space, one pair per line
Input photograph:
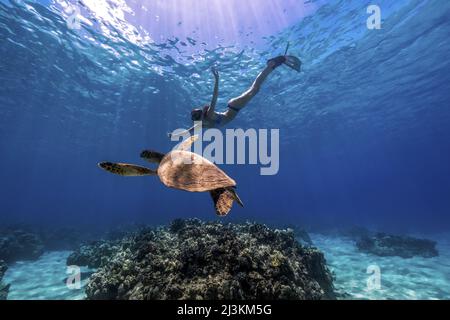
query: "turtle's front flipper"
186, 144
125, 169
223, 201
152, 156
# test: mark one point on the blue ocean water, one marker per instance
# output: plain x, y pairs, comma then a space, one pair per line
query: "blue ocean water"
364, 128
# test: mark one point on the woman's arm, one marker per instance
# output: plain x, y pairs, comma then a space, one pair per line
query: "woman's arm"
212, 106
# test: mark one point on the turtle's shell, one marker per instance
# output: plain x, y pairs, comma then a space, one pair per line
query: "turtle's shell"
191, 172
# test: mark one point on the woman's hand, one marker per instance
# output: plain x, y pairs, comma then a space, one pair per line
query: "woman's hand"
215, 72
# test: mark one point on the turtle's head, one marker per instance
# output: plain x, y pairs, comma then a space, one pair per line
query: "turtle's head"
196, 114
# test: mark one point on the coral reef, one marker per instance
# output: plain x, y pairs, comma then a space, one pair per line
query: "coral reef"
94, 254
195, 260
3, 288
18, 244
382, 244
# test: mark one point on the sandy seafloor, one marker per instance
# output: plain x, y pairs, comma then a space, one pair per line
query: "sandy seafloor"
415, 278
43, 279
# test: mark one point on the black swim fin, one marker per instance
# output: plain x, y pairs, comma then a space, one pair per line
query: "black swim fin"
277, 61
293, 62
290, 61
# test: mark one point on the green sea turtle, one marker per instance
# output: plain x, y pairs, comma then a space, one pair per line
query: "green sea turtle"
184, 170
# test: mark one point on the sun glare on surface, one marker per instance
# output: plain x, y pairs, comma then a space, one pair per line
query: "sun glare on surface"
218, 21
205, 22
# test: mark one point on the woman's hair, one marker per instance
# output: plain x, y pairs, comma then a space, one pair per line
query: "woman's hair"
198, 113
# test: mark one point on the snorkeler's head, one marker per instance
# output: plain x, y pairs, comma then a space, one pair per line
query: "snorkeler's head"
197, 114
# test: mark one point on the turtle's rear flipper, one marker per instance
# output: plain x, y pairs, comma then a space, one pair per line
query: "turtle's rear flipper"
235, 196
223, 200
152, 156
125, 169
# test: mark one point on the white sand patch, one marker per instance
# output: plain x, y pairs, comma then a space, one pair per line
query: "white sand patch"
42, 279
415, 278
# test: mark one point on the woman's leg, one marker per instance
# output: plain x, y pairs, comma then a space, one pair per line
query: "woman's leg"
243, 99
240, 102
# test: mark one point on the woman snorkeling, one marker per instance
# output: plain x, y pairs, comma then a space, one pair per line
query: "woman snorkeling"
207, 117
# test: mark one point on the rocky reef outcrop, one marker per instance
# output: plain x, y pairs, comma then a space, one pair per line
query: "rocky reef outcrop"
18, 244
191, 259
93, 254
382, 244
4, 289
